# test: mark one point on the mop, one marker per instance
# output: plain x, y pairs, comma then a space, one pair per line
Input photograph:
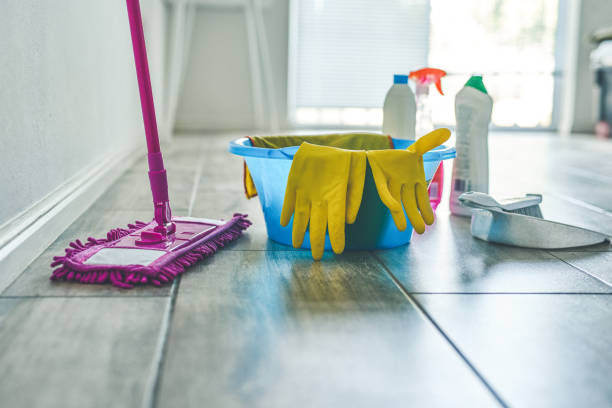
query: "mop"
158, 251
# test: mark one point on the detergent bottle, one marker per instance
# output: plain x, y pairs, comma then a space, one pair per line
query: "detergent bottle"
473, 107
399, 110
423, 78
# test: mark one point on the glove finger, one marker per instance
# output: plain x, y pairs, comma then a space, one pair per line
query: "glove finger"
430, 141
424, 204
409, 200
318, 224
381, 185
293, 180
335, 224
356, 182
398, 214
288, 207
300, 221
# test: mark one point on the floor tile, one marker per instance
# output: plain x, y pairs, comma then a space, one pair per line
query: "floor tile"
535, 350
573, 167
446, 258
596, 264
59, 352
275, 329
133, 192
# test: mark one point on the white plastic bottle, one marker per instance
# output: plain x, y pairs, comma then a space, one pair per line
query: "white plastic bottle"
399, 110
473, 107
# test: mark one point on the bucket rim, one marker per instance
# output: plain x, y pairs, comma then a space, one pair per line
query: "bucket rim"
242, 147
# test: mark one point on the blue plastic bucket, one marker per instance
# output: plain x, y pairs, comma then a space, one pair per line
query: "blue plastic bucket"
373, 228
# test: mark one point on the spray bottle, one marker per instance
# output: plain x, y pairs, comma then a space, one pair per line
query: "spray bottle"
399, 111
423, 78
473, 107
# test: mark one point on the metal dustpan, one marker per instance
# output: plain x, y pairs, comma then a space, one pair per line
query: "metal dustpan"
510, 228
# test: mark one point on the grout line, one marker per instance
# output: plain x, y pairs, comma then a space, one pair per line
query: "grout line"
513, 293
196, 183
427, 317
82, 297
582, 270
301, 250
151, 389
297, 251
411, 293
580, 250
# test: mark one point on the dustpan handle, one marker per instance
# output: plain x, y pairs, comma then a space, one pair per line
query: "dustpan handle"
157, 173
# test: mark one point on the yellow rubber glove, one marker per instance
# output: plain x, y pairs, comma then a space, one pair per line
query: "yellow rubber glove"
325, 187
400, 179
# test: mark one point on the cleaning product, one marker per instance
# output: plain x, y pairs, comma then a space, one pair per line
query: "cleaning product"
324, 189
399, 110
400, 179
160, 250
473, 107
423, 78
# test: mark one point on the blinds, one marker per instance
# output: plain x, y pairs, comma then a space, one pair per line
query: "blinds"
345, 52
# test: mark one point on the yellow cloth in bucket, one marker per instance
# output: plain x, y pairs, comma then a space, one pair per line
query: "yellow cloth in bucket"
350, 141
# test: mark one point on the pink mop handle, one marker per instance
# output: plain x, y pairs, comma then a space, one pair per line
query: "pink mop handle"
157, 173
144, 80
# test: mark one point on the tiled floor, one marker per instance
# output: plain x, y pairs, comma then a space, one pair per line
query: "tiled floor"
445, 321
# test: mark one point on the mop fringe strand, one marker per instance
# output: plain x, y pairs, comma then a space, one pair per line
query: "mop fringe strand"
129, 275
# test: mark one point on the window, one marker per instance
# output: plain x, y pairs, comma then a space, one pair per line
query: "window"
512, 43
344, 54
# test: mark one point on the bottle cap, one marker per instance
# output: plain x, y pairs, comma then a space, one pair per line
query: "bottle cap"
475, 82
428, 76
400, 79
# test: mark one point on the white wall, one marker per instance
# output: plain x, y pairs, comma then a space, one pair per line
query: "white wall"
68, 91
217, 86
594, 14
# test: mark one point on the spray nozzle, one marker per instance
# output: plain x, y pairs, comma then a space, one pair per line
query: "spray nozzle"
428, 76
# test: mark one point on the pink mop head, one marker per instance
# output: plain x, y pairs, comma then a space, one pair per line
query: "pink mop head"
124, 260
160, 250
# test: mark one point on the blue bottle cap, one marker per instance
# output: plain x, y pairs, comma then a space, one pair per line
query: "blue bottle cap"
400, 79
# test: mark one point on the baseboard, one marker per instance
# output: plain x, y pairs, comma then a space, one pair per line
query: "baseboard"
26, 236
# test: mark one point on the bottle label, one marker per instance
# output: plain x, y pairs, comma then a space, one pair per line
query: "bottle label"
433, 191
464, 155
461, 185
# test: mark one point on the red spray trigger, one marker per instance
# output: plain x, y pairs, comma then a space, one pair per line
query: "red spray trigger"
428, 76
